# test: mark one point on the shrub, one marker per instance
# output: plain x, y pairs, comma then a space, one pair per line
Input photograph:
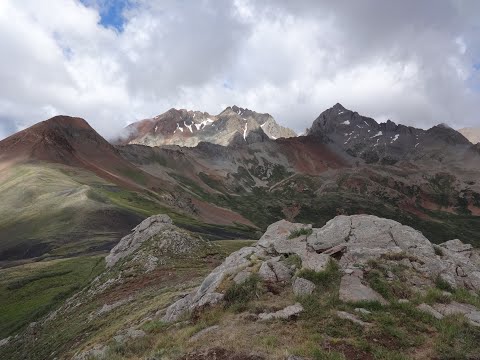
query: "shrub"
238, 295
326, 279
296, 233
294, 260
443, 285
438, 250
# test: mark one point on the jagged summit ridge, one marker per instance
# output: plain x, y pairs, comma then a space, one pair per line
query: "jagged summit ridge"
188, 128
387, 143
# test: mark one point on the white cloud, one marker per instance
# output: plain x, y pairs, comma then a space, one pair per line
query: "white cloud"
408, 61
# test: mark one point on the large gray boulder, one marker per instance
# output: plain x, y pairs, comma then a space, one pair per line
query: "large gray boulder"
143, 232
352, 289
302, 287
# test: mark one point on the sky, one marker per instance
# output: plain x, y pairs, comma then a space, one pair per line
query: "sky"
115, 62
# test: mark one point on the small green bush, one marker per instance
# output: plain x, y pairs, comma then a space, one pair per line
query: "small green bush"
304, 231
443, 285
294, 260
326, 279
238, 295
438, 250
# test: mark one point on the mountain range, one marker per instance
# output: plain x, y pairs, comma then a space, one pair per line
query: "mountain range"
144, 247
189, 128
66, 190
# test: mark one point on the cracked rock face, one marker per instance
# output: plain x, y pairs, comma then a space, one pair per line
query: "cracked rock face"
151, 241
143, 232
352, 241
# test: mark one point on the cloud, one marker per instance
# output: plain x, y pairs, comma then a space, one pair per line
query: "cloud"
116, 62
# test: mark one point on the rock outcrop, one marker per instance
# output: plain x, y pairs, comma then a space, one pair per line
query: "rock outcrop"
351, 241
165, 238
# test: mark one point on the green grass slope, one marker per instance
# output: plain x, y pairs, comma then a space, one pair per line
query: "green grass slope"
29, 291
51, 210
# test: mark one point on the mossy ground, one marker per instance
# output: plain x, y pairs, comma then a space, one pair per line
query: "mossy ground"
30, 291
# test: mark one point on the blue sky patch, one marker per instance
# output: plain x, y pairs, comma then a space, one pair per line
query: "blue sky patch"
111, 12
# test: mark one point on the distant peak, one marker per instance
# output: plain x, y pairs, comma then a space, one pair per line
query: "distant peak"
67, 121
338, 106
445, 126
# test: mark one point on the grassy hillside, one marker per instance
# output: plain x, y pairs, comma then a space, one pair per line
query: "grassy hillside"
30, 291
49, 210
45, 210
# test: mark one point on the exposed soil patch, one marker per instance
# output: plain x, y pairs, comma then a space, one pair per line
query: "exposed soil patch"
220, 354
350, 351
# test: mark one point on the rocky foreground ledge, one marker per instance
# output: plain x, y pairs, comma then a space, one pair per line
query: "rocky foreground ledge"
353, 243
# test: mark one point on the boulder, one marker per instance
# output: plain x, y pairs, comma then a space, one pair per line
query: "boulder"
428, 309
143, 232
353, 290
350, 317
352, 241
96, 352
313, 261
129, 334
457, 246
302, 287
203, 332
278, 233
289, 312
242, 276
335, 232
266, 273
274, 270
469, 311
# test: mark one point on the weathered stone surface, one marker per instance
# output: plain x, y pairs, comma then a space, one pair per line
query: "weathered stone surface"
143, 232
335, 232
278, 233
352, 290
457, 246
313, 261
350, 317
282, 272
5, 341
353, 241
302, 287
203, 332
266, 273
128, 335
233, 264
362, 311
469, 311
289, 312
97, 352
242, 276
428, 309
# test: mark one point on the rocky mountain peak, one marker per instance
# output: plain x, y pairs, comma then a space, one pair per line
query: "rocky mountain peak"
362, 137
448, 135
189, 128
